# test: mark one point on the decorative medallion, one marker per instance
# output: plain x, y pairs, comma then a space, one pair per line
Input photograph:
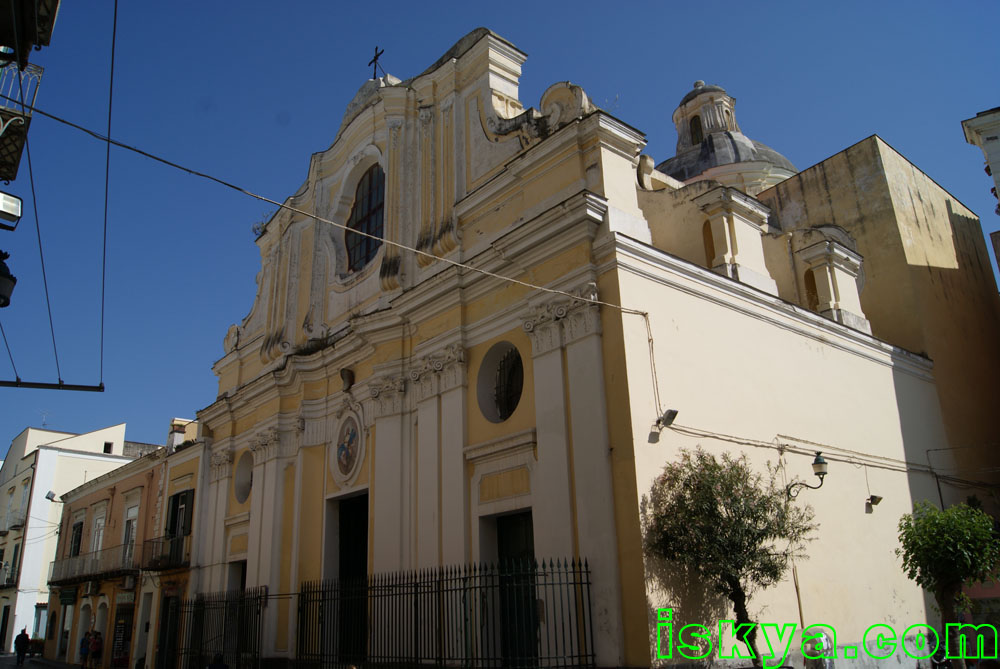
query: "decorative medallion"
347, 452
347, 446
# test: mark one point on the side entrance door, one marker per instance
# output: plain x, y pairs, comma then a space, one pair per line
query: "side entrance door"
518, 617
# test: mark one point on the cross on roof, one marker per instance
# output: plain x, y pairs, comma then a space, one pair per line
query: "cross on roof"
374, 62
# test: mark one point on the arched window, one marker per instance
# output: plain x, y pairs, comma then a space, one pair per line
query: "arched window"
709, 241
696, 133
366, 216
729, 120
812, 295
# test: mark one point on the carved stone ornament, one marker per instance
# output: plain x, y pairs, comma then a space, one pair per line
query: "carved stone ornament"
221, 463
439, 372
312, 329
232, 339
562, 103
563, 320
387, 396
265, 444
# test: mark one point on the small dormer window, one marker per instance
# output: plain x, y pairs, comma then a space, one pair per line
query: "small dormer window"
696, 132
366, 216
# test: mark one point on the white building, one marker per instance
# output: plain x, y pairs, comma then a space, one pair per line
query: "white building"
983, 130
37, 463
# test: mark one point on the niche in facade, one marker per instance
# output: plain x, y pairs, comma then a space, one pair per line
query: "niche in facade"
243, 477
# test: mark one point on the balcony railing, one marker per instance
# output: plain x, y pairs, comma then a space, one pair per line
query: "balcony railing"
165, 553
105, 563
15, 86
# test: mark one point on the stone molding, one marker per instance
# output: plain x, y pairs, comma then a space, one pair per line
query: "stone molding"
834, 253
563, 320
439, 372
387, 396
503, 447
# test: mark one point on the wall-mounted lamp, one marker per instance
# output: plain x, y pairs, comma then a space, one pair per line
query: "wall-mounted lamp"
667, 419
819, 469
873, 500
51, 496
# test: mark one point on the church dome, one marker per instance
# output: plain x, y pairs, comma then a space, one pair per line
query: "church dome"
699, 88
722, 148
710, 145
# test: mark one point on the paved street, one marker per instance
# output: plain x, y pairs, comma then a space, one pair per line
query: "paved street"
9, 661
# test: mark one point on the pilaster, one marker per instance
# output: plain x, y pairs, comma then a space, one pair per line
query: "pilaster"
737, 225
835, 269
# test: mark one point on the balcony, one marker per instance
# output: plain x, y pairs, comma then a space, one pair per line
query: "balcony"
165, 553
105, 563
14, 121
26, 24
15, 520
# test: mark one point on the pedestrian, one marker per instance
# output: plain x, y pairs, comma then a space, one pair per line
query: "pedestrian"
96, 648
21, 643
84, 649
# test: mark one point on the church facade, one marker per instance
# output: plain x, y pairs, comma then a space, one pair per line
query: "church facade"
490, 381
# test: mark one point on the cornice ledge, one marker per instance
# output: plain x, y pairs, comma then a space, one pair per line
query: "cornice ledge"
875, 349
501, 447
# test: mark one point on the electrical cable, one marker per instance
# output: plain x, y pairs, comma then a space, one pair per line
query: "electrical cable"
856, 456
34, 203
107, 180
9, 354
281, 205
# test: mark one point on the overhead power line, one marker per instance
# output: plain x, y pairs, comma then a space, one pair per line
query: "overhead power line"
282, 205
107, 181
34, 204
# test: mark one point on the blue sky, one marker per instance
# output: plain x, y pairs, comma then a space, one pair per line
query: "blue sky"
248, 91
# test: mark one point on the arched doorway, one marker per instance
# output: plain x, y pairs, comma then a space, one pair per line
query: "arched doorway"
101, 624
83, 626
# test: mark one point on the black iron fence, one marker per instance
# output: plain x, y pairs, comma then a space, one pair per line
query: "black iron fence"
513, 614
223, 623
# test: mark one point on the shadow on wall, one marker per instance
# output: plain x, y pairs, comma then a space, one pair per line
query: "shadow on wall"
674, 585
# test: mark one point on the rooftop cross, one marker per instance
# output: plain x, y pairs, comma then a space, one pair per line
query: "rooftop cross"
374, 62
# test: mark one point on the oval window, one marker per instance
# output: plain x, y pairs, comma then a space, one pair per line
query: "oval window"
243, 477
500, 382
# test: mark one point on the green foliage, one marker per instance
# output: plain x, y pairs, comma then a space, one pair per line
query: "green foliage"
941, 550
729, 524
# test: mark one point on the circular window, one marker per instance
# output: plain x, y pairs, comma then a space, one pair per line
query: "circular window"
500, 382
243, 477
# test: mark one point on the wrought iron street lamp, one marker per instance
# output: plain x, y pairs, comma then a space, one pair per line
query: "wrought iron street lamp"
819, 469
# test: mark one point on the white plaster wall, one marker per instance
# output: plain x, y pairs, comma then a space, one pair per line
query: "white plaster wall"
734, 366
59, 471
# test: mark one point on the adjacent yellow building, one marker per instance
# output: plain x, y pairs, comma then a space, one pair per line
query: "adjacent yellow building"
489, 382
125, 557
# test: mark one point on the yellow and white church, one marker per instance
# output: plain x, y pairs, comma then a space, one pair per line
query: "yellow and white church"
491, 380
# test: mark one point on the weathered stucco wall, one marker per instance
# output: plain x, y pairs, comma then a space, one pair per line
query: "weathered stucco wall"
928, 284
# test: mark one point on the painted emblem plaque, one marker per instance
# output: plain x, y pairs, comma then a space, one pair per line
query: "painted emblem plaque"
348, 446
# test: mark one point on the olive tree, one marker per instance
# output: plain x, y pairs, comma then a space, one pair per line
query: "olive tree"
942, 550
734, 527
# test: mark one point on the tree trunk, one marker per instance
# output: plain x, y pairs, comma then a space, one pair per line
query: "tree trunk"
739, 599
946, 602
